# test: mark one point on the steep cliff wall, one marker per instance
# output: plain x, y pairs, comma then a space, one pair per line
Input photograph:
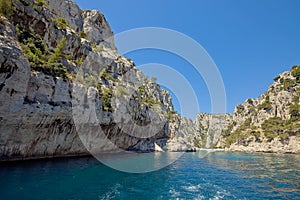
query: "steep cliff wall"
64, 89
270, 123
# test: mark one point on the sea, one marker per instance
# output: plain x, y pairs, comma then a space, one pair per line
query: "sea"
193, 175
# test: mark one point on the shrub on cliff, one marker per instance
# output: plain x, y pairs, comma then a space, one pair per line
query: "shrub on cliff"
274, 127
61, 23
296, 73
6, 8
294, 109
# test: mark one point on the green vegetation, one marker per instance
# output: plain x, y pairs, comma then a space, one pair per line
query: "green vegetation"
197, 142
266, 105
229, 129
82, 34
98, 48
59, 51
295, 109
296, 73
104, 75
240, 108
275, 127
276, 78
42, 3
287, 83
146, 99
39, 4
38, 54
121, 91
79, 61
250, 101
171, 115
90, 81
239, 134
203, 139
61, 23
106, 96
6, 8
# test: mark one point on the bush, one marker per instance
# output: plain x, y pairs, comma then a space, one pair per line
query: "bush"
240, 108
287, 83
121, 91
146, 99
82, 34
250, 101
296, 73
294, 109
42, 3
105, 97
58, 51
197, 142
104, 75
6, 8
229, 129
38, 54
79, 61
266, 105
33, 46
274, 127
276, 78
98, 48
239, 134
61, 23
171, 115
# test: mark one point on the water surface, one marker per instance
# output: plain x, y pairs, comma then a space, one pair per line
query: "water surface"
219, 175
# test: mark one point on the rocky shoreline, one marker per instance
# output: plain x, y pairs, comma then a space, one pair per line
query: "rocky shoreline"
275, 146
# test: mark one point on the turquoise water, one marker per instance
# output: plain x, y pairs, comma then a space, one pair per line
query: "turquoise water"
219, 175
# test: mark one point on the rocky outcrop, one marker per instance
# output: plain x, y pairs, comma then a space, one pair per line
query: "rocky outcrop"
183, 130
64, 89
209, 128
275, 146
270, 123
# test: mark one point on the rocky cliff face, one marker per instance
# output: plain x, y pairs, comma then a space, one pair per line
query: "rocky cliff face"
64, 89
270, 123
209, 127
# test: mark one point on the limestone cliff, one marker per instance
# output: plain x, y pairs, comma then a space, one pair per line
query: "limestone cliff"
65, 90
270, 123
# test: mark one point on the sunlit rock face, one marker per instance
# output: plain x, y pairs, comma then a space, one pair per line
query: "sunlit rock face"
75, 95
65, 90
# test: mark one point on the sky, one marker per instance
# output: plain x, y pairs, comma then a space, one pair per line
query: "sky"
250, 41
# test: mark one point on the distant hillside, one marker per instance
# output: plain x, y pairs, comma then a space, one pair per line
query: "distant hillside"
270, 123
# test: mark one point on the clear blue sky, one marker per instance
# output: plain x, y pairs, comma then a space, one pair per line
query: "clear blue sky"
251, 41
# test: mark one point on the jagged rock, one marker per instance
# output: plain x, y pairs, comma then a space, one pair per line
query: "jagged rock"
275, 104
44, 115
68, 10
97, 28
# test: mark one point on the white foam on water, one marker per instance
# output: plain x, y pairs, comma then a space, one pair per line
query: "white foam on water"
192, 188
174, 193
111, 193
